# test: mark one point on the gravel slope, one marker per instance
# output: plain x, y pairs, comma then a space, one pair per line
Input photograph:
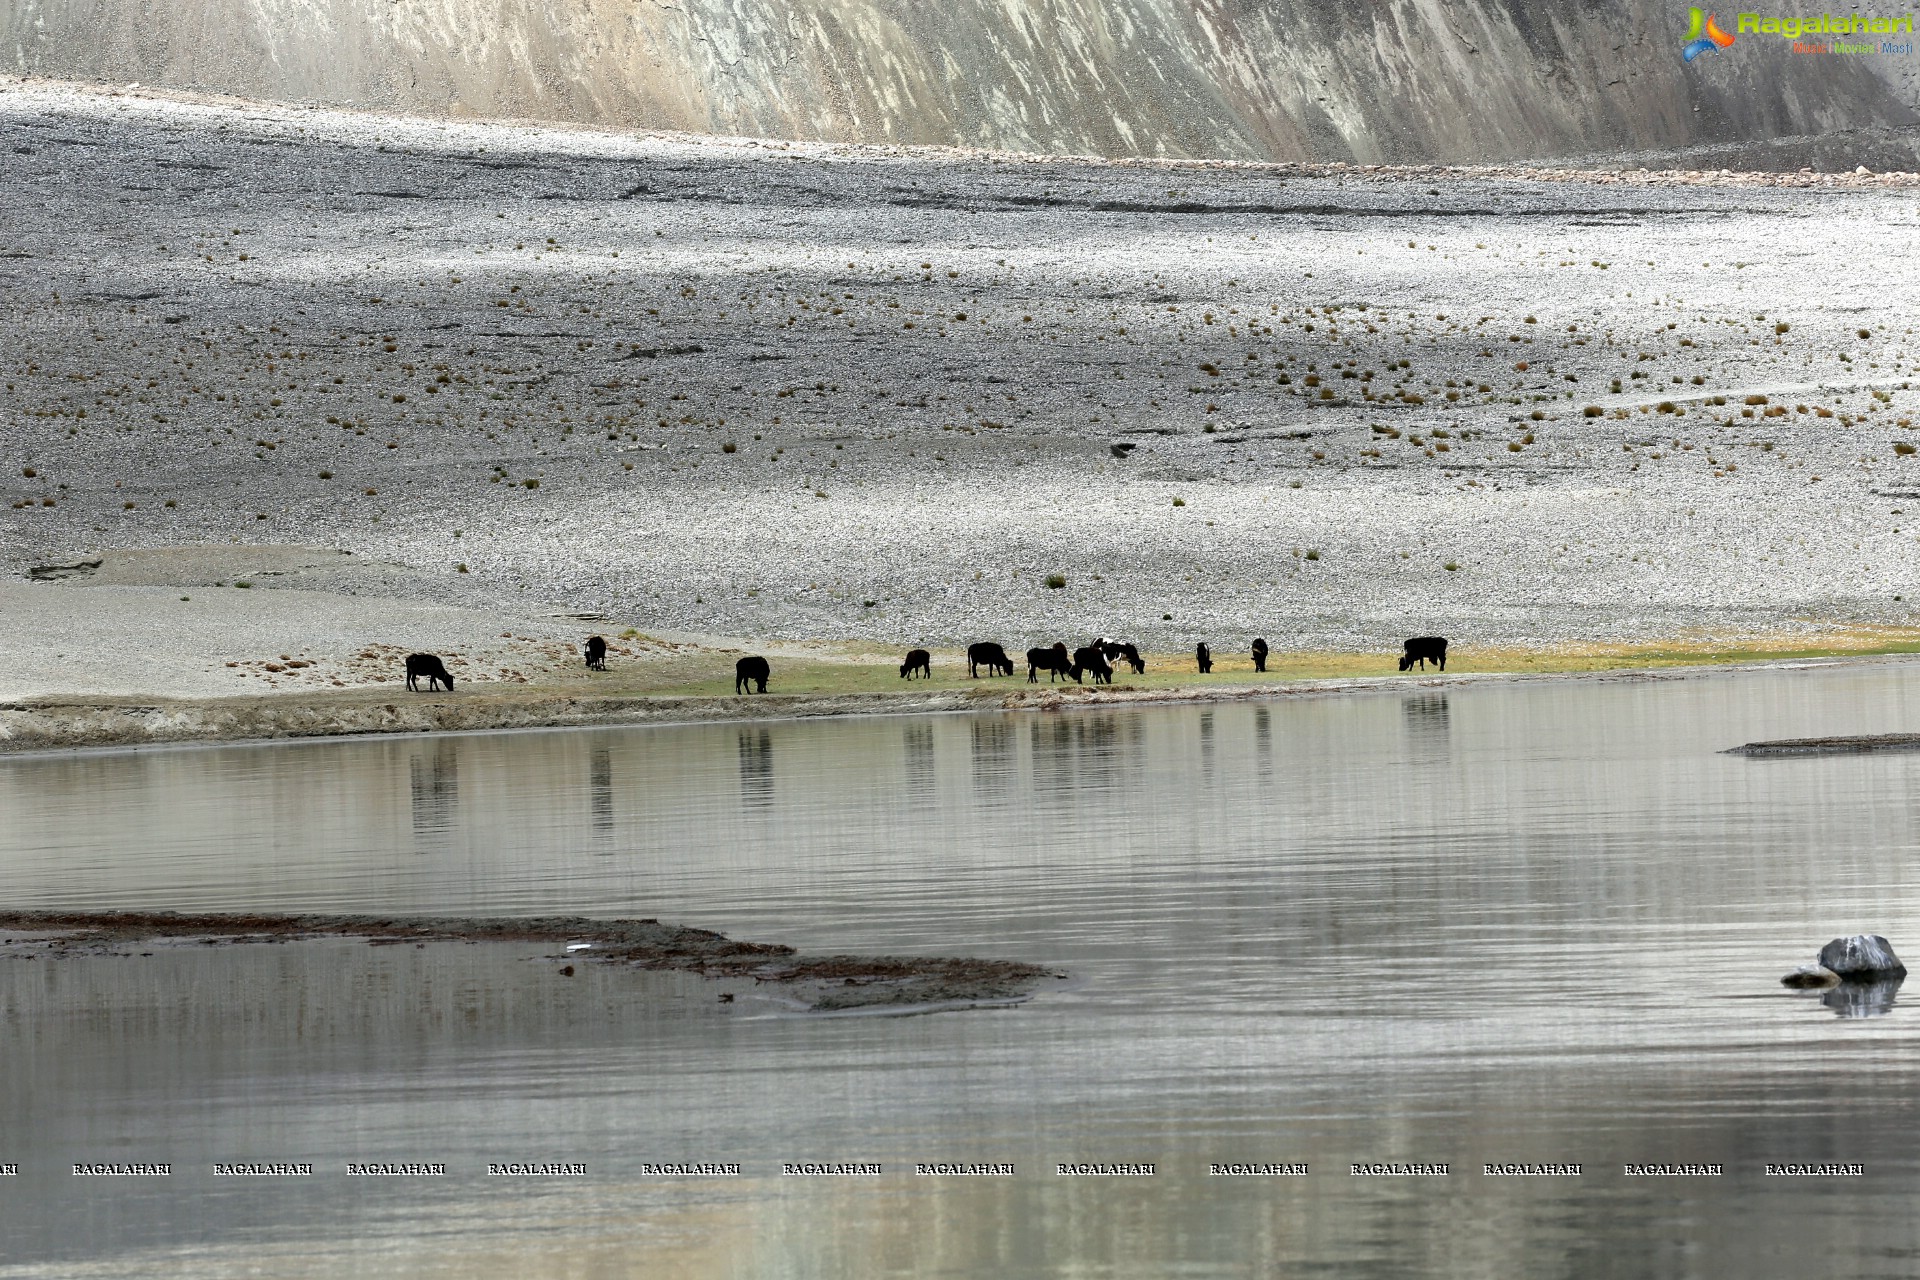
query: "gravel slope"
828, 393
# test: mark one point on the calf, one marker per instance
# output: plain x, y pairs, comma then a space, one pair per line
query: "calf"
1259, 654
917, 660
596, 653
752, 669
989, 655
1090, 659
1203, 658
430, 666
1424, 649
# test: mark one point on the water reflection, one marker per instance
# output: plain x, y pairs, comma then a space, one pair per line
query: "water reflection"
600, 791
1101, 743
916, 749
1083, 753
433, 770
1372, 961
1428, 722
993, 752
1862, 999
1050, 755
756, 768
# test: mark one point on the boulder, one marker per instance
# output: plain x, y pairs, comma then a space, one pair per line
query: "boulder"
1811, 976
1864, 957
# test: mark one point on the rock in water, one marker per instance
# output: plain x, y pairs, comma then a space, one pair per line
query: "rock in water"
1862, 958
1811, 976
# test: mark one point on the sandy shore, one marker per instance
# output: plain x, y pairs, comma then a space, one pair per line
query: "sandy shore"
821, 983
484, 389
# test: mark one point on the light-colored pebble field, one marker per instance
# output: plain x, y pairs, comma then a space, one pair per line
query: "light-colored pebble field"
818, 393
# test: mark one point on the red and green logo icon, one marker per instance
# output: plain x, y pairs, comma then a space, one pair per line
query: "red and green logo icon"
1703, 33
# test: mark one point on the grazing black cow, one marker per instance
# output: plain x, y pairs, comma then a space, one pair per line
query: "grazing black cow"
1424, 649
1259, 654
1038, 660
917, 660
430, 666
1090, 659
752, 669
989, 655
1056, 662
1203, 658
596, 653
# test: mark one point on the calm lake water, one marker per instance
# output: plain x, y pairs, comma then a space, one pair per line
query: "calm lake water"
1538, 922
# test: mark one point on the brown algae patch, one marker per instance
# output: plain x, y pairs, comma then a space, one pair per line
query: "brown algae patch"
831, 983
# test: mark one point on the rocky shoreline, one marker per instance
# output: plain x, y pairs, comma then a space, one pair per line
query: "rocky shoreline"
1835, 746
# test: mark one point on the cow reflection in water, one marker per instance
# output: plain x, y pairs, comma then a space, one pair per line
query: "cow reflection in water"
600, 790
1429, 728
916, 750
756, 768
994, 755
1084, 751
1427, 713
434, 774
1862, 999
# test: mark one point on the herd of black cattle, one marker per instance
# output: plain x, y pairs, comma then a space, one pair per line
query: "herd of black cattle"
1100, 659
1096, 660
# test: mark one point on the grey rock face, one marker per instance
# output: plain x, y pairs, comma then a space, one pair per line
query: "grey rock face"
1222, 80
1862, 957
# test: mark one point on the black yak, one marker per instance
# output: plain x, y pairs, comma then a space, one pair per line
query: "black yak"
1259, 654
596, 653
752, 669
1056, 662
430, 666
917, 660
989, 655
1424, 649
1090, 659
1203, 658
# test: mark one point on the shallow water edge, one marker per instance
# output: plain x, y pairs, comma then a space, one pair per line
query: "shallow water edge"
55, 724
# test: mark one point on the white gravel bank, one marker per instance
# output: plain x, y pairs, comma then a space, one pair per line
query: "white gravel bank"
922, 363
